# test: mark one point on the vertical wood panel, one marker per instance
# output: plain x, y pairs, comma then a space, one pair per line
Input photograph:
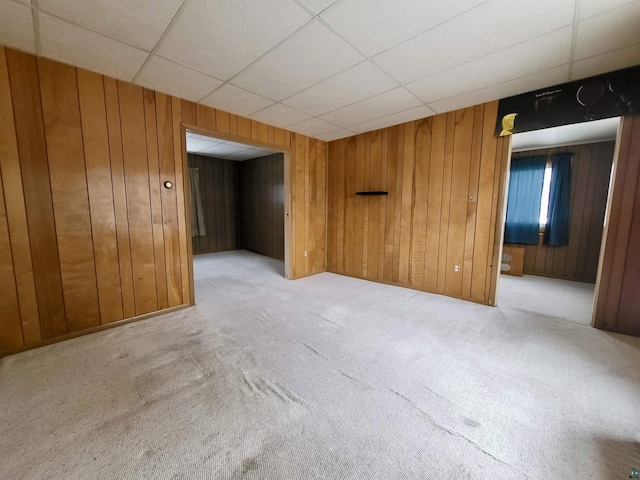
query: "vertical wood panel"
313, 209
183, 209
373, 238
434, 203
134, 150
482, 245
119, 196
10, 326
390, 202
164, 122
458, 202
407, 198
153, 167
443, 267
395, 277
25, 94
261, 207
419, 205
16, 213
99, 183
321, 202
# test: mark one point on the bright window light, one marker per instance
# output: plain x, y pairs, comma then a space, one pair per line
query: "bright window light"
546, 187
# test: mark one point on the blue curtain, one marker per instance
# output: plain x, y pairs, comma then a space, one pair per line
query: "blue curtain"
523, 203
556, 233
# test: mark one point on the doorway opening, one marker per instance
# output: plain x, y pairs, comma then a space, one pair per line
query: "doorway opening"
562, 177
237, 202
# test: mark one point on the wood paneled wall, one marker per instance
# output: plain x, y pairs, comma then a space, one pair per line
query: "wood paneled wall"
261, 199
617, 306
444, 175
590, 175
218, 191
88, 234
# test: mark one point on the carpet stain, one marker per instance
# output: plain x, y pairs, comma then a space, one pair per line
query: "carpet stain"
249, 464
471, 423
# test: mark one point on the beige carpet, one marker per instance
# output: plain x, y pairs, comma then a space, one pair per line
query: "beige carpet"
572, 301
325, 377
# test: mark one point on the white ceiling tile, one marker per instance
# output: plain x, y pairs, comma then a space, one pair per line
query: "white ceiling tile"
316, 6
489, 28
608, 31
376, 25
280, 115
168, 77
16, 26
589, 8
422, 111
547, 78
318, 55
250, 153
221, 38
313, 127
236, 100
541, 53
336, 134
222, 149
387, 103
198, 144
138, 23
78, 46
608, 62
357, 83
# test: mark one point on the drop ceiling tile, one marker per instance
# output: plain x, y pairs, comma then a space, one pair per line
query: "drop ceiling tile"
316, 6
16, 26
376, 25
489, 28
318, 55
335, 135
393, 101
236, 100
223, 149
312, 127
78, 46
589, 8
422, 111
204, 138
608, 31
541, 53
138, 23
357, 83
222, 38
280, 115
168, 77
249, 153
197, 145
608, 62
547, 78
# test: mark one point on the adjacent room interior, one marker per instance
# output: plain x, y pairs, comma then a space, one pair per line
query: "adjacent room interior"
237, 197
558, 277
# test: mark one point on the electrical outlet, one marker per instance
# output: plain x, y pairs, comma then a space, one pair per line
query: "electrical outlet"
456, 268
305, 253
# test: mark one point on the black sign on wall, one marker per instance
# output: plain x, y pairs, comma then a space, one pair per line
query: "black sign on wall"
603, 96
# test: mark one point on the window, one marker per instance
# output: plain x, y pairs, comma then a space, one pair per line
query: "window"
544, 201
539, 191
